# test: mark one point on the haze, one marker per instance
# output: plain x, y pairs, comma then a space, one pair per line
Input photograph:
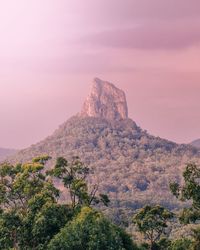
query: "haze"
51, 50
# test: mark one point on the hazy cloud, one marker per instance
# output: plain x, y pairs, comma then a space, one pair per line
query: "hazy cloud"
152, 35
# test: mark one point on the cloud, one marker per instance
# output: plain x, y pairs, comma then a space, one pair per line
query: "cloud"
112, 13
150, 36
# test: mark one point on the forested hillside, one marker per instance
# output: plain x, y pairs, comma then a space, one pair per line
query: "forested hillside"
130, 165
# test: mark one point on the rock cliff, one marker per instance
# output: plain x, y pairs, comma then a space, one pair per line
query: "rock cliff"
105, 101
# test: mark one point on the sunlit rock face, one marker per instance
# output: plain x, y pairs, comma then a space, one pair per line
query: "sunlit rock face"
105, 101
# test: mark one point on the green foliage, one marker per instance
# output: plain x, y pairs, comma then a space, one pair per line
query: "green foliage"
91, 231
74, 177
32, 218
39, 227
152, 222
189, 191
29, 213
181, 244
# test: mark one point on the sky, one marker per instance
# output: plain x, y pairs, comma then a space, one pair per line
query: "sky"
50, 51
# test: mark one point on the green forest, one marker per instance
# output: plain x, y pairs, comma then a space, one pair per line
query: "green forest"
34, 216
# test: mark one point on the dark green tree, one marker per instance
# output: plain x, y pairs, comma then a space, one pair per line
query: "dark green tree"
152, 221
92, 231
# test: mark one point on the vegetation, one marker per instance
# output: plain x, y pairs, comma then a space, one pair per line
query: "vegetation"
90, 230
189, 191
181, 244
32, 218
30, 212
33, 215
131, 165
152, 222
73, 176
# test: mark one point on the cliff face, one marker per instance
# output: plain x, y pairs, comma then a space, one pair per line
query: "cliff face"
105, 101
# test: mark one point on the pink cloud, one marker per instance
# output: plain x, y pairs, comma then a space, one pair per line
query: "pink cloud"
151, 36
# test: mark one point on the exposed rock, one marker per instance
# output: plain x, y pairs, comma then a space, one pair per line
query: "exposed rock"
105, 101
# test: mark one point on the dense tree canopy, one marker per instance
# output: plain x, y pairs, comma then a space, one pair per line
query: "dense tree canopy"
31, 214
91, 230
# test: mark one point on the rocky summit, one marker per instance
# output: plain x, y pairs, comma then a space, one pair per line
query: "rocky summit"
105, 101
130, 165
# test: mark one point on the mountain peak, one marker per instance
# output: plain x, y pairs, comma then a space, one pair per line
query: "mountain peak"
106, 101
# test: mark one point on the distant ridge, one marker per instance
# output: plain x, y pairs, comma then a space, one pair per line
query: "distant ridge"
196, 143
5, 152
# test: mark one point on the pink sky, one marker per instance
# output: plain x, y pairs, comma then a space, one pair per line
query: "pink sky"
51, 50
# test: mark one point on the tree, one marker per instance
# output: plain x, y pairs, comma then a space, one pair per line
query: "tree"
92, 231
152, 222
29, 212
190, 191
74, 177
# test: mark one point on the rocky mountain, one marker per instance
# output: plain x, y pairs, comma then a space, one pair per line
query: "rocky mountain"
132, 166
196, 143
105, 101
5, 152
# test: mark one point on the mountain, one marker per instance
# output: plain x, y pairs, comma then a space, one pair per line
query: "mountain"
132, 166
5, 152
196, 143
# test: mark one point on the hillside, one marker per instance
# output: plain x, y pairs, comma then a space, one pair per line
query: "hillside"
196, 143
5, 152
130, 165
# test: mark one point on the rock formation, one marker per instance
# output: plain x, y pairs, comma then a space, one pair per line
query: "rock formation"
105, 101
